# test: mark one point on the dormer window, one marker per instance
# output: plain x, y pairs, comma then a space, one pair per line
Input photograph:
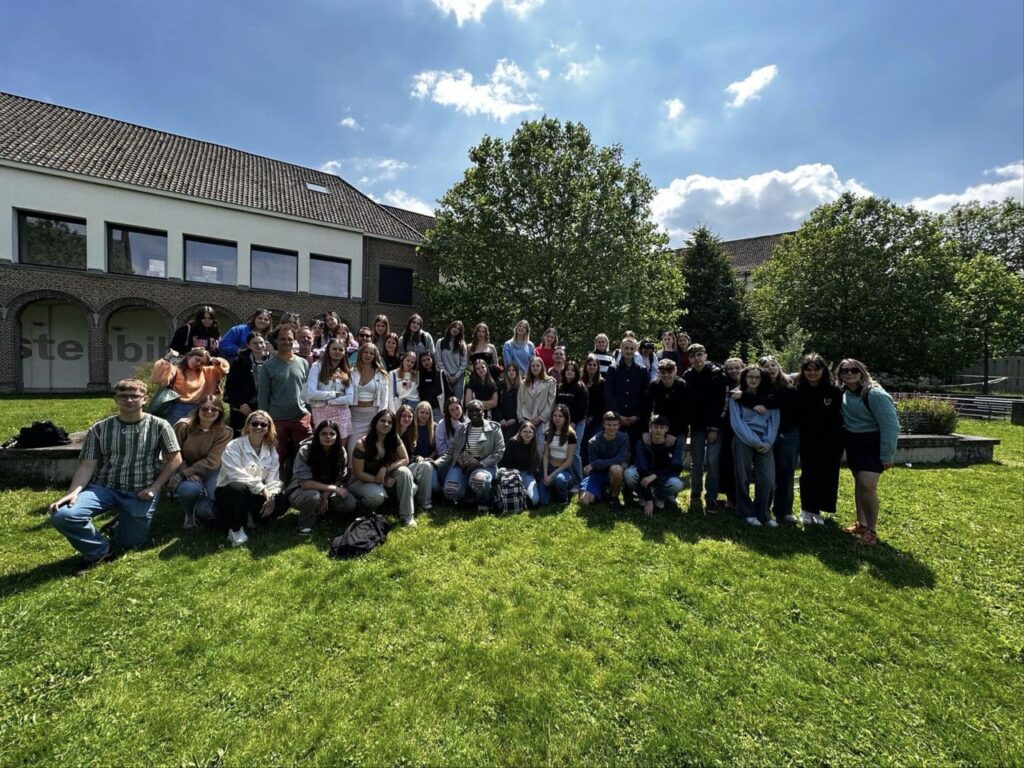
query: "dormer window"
317, 188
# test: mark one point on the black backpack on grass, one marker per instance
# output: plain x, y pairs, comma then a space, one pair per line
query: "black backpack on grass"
42, 434
363, 535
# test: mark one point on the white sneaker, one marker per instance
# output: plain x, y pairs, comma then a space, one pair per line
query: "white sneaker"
752, 521
773, 523
806, 518
818, 519
789, 519
237, 537
411, 523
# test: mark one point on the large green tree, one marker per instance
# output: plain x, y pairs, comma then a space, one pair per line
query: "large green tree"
990, 301
867, 279
549, 227
994, 228
713, 307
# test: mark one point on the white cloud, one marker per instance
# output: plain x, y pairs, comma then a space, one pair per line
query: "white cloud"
474, 10
576, 71
503, 96
371, 169
743, 91
543, 74
562, 50
674, 108
350, 122
400, 199
762, 204
1010, 185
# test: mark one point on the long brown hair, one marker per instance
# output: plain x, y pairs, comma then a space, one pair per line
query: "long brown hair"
192, 420
326, 371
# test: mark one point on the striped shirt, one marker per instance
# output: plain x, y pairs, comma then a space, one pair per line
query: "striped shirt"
128, 455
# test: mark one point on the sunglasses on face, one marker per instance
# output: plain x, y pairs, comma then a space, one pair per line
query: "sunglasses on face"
844, 371
259, 425
210, 410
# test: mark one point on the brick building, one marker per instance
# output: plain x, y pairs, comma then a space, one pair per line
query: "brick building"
112, 235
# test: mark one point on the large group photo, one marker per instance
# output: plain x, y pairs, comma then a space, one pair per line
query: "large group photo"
511, 383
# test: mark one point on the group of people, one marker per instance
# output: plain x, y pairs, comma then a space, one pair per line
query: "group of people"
266, 417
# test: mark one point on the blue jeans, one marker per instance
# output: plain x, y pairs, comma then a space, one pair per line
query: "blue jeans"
704, 467
75, 521
577, 459
560, 486
457, 486
763, 477
196, 498
178, 411
533, 488
663, 488
785, 452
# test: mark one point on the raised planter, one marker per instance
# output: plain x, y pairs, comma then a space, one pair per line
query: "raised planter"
944, 449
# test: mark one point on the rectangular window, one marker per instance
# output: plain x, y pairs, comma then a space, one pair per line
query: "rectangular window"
133, 251
51, 241
273, 269
211, 261
328, 276
395, 285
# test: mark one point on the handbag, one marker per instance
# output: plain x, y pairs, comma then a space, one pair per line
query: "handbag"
163, 399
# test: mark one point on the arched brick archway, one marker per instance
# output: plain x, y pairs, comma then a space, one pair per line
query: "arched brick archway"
11, 366
136, 332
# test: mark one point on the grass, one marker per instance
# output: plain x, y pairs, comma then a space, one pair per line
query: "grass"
557, 637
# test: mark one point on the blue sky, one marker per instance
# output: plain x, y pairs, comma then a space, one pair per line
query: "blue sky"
745, 115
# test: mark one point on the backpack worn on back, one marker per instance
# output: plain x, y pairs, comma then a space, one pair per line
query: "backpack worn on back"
363, 535
42, 434
509, 492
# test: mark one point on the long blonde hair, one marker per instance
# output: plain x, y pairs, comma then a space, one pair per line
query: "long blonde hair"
866, 382
270, 439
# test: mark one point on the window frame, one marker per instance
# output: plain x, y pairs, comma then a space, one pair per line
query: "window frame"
23, 240
111, 226
412, 284
185, 238
279, 252
334, 259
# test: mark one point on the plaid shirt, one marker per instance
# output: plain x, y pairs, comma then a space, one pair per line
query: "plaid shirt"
129, 456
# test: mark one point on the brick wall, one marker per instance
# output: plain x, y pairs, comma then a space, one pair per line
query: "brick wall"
377, 252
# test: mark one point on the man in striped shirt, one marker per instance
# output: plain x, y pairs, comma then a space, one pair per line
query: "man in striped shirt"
125, 461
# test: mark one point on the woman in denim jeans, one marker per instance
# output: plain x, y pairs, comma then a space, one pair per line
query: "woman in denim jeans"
754, 435
203, 436
560, 454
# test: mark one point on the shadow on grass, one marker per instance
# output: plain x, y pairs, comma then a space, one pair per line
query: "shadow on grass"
835, 549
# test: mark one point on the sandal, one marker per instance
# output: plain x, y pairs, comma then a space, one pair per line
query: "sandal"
869, 539
856, 529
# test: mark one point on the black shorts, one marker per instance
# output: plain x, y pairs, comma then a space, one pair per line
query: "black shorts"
863, 452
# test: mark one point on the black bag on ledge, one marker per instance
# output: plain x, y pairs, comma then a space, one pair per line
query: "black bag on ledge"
42, 434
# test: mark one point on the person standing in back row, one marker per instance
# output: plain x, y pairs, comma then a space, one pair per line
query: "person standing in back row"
282, 382
707, 384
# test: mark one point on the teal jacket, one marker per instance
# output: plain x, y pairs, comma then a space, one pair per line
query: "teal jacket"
880, 417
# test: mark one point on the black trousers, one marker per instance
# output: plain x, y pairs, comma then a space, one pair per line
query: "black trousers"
234, 502
819, 471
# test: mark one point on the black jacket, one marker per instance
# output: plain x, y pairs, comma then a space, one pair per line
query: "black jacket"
241, 381
672, 402
625, 387
708, 387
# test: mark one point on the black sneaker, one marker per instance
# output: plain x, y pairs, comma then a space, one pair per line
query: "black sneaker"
85, 566
615, 504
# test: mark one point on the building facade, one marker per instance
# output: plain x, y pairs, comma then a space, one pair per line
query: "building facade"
112, 235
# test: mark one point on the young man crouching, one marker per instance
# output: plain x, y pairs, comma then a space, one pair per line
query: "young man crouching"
609, 455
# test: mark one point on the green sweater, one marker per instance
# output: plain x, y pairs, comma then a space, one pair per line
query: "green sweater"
281, 387
880, 417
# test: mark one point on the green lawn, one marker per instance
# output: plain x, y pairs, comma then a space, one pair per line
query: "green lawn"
558, 637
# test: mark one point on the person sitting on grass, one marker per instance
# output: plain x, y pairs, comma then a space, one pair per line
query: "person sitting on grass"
655, 475
125, 461
608, 456
318, 481
380, 468
472, 457
203, 436
249, 483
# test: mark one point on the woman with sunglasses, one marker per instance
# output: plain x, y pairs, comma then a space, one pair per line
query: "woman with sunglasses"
249, 483
203, 436
380, 468
872, 429
820, 421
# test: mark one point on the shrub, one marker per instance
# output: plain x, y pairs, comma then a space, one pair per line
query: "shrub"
926, 416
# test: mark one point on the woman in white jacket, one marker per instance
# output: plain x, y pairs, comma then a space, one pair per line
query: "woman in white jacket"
329, 388
249, 483
370, 392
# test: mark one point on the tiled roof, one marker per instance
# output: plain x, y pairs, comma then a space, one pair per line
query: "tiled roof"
64, 139
418, 221
750, 252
